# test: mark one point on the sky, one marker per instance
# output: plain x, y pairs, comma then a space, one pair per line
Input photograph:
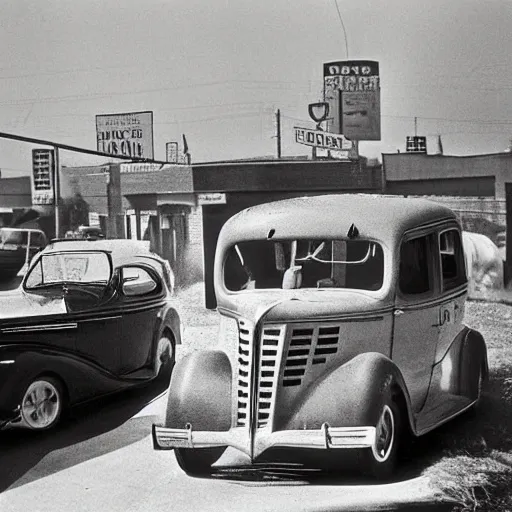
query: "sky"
217, 71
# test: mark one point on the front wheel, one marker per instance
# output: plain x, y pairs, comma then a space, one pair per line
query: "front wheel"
380, 460
197, 462
42, 404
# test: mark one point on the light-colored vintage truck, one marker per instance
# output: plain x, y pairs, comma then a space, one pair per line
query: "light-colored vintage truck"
341, 329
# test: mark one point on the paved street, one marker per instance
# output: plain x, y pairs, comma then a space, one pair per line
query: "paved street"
103, 455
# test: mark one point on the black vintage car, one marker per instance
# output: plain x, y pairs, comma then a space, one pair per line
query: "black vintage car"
89, 318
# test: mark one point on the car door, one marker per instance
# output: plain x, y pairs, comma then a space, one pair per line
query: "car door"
92, 304
453, 288
416, 316
142, 295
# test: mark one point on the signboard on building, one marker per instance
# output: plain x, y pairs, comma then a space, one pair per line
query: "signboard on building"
140, 167
321, 139
211, 198
416, 144
352, 89
129, 134
43, 171
171, 152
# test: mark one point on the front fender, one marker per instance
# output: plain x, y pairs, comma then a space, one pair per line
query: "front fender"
82, 380
169, 318
351, 395
200, 392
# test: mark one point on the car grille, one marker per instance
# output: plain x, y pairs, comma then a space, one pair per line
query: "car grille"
309, 345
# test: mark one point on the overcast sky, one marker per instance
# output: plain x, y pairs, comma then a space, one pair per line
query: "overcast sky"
217, 71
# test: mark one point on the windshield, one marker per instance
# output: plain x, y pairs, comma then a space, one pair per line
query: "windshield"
304, 263
72, 267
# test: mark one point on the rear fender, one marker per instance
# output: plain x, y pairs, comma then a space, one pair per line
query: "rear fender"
200, 392
351, 395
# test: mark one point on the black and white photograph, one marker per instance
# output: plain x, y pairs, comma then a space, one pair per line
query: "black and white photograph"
255, 256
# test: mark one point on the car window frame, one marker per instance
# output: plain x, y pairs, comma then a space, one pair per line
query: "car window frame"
152, 272
462, 263
433, 292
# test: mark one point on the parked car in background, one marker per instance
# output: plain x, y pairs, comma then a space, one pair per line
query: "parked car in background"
87, 232
17, 247
341, 329
90, 318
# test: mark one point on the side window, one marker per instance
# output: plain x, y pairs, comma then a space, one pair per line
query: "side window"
137, 281
452, 259
415, 266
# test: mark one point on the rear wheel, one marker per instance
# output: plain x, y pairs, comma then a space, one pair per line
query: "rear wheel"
197, 462
165, 356
380, 460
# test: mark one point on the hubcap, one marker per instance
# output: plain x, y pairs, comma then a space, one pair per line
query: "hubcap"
384, 435
41, 405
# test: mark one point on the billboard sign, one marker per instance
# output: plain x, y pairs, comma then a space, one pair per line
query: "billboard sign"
129, 134
171, 152
43, 171
352, 89
321, 139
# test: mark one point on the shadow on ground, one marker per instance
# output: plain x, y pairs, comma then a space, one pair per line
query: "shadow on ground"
100, 427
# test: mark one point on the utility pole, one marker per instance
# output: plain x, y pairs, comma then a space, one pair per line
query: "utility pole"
56, 190
415, 126
278, 132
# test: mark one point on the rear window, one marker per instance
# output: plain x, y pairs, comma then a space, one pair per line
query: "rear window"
304, 263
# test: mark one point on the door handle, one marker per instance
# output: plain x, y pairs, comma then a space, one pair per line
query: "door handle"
398, 312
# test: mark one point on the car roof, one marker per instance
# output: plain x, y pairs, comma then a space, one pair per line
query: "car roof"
380, 217
121, 250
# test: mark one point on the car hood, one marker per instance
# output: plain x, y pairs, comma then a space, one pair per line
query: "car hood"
294, 305
16, 304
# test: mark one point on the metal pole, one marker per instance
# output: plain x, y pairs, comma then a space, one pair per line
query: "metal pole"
56, 190
278, 132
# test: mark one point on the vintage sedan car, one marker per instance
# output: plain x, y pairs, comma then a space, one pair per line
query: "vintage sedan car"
341, 330
89, 318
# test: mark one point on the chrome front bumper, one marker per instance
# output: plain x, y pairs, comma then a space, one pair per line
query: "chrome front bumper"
326, 437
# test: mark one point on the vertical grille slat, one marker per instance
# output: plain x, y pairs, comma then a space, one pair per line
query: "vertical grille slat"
269, 361
244, 372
